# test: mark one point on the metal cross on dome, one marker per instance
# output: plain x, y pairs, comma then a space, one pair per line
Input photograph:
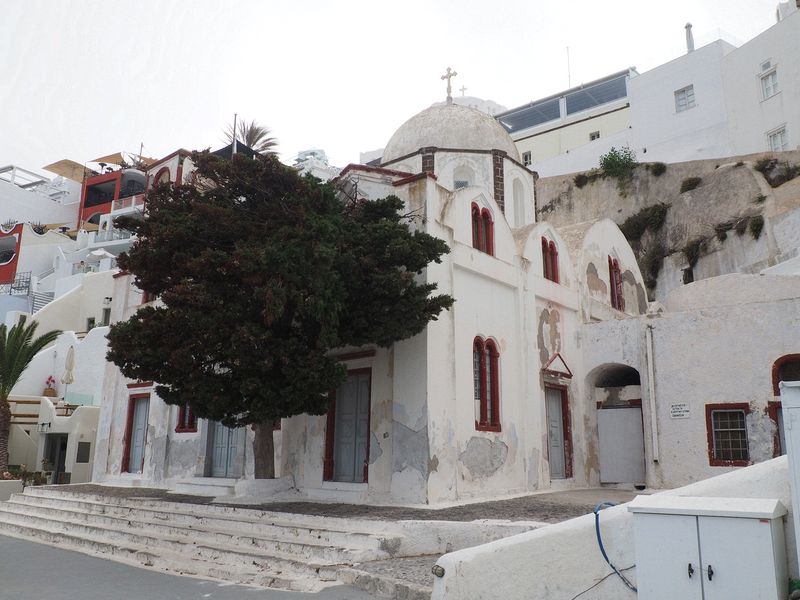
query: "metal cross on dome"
449, 75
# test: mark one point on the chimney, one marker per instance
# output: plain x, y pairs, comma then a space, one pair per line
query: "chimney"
689, 38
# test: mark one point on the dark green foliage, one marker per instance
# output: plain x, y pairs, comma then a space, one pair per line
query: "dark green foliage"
692, 251
756, 225
18, 346
740, 226
690, 183
760, 199
618, 163
651, 262
765, 164
580, 180
261, 274
657, 168
783, 173
721, 230
652, 218
39, 228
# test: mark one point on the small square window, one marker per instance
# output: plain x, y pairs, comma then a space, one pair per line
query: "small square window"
684, 99
595, 135
526, 158
730, 435
769, 84
90, 323
778, 141
458, 184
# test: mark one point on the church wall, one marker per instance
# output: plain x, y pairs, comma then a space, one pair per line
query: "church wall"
521, 192
448, 164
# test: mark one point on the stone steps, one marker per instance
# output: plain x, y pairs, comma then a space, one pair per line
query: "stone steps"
287, 551
254, 532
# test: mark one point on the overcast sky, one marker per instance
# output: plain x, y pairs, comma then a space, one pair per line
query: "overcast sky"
84, 78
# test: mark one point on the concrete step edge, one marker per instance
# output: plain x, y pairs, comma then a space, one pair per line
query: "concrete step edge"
345, 554
231, 554
383, 585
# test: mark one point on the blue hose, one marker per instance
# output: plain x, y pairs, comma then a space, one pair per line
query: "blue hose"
597, 510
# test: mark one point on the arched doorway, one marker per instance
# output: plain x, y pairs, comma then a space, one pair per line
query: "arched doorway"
620, 434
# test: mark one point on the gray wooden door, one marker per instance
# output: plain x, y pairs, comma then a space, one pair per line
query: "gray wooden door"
621, 443
351, 432
224, 449
555, 434
141, 407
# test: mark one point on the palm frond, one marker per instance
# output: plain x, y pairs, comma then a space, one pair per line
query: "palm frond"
17, 349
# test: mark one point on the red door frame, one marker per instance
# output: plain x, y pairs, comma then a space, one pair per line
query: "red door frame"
126, 445
567, 424
330, 430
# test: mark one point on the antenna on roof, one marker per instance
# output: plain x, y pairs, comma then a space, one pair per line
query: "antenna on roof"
569, 73
233, 149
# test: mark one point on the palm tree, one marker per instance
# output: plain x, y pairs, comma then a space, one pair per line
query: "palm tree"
17, 349
254, 136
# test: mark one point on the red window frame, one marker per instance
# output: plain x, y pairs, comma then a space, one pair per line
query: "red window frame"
550, 260
615, 283
721, 462
482, 230
187, 422
477, 230
776, 371
486, 384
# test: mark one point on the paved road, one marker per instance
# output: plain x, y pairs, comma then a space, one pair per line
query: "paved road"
30, 570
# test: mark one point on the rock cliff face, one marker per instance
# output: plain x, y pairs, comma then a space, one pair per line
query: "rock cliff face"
732, 221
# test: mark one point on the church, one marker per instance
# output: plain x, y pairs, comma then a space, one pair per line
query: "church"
486, 402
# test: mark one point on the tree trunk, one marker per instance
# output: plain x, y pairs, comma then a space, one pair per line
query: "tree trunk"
264, 451
5, 427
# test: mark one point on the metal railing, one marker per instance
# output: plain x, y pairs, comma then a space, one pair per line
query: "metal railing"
21, 286
136, 201
112, 234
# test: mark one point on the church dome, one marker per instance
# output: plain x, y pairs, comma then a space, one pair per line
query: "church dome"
449, 126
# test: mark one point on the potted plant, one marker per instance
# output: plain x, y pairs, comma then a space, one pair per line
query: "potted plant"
49, 390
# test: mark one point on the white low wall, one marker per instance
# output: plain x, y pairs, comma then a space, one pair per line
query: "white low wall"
9, 487
563, 560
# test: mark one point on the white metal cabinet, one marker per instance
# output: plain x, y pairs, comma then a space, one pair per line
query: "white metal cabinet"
709, 548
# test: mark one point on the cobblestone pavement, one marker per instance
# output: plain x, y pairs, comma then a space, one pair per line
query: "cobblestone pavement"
548, 507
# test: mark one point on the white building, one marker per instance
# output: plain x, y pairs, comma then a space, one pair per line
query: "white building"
482, 403
713, 102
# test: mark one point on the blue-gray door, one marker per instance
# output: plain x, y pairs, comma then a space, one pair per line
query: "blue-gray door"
351, 432
555, 433
224, 449
141, 407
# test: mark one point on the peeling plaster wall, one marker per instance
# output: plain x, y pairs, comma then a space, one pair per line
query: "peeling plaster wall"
695, 363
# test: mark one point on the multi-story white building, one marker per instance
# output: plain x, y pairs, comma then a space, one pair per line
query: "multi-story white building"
712, 102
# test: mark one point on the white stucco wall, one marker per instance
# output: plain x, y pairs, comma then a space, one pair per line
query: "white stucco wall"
662, 134
32, 206
563, 560
750, 116
694, 365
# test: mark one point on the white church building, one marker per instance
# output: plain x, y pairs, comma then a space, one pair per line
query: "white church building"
483, 403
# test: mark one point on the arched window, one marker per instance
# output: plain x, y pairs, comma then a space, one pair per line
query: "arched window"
549, 260
487, 229
161, 177
482, 230
486, 384
477, 238
615, 284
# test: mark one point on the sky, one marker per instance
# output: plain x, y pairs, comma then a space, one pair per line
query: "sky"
84, 78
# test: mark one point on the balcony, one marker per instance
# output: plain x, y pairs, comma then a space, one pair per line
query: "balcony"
112, 235
127, 205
